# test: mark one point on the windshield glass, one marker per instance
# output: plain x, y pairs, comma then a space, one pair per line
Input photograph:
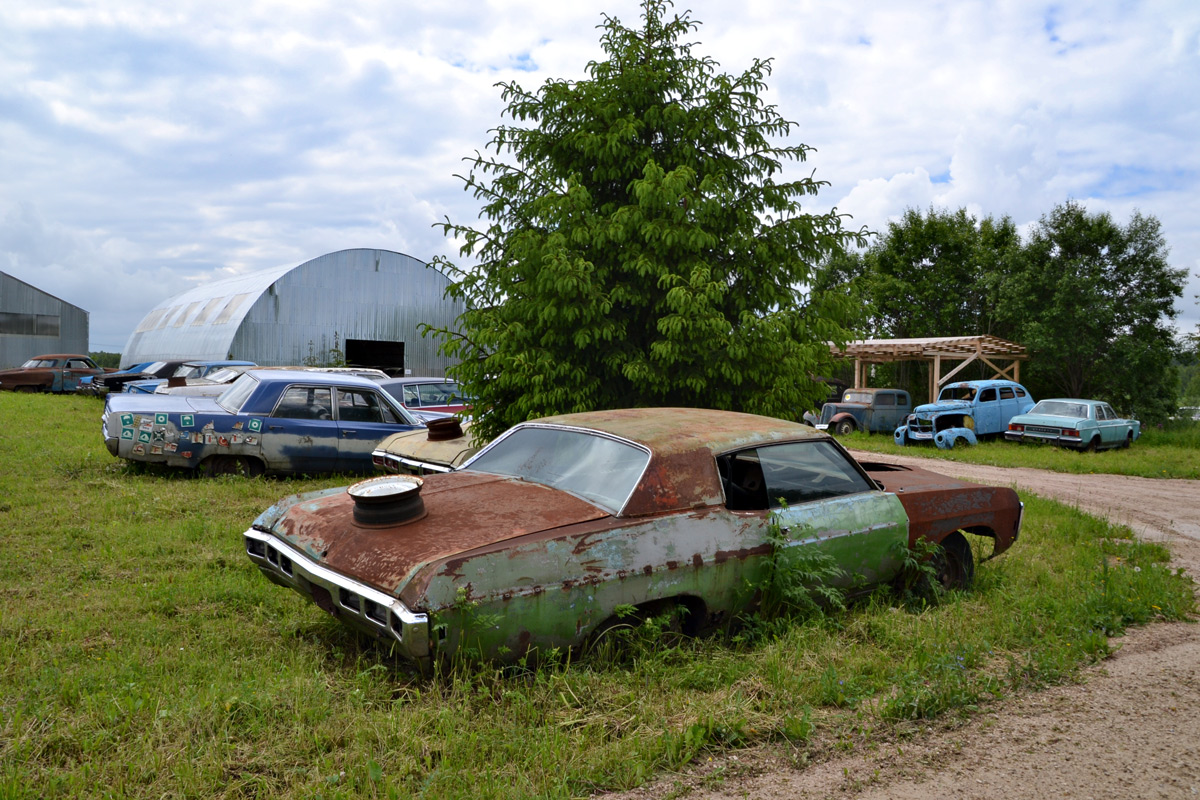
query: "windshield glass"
39, 363
1060, 408
856, 397
957, 393
233, 398
224, 375
189, 371
601, 470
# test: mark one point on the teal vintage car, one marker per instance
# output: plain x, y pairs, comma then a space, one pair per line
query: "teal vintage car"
1077, 424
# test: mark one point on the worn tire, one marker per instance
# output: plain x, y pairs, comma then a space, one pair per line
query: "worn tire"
844, 427
232, 465
1093, 445
955, 563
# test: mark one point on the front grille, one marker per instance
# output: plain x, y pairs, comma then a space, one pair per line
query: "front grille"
353, 602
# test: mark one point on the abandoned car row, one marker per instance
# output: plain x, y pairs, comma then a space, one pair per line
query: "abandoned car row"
560, 525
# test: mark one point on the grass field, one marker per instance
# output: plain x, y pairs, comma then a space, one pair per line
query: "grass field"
1173, 452
143, 655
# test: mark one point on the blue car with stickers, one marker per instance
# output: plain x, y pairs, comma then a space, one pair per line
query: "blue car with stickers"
269, 421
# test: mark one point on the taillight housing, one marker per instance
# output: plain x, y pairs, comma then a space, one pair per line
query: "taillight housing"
1070, 432
1016, 426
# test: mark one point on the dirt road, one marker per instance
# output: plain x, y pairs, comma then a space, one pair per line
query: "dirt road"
1131, 730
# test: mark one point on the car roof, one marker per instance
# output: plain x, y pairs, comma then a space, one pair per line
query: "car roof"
57, 355
311, 377
668, 431
981, 384
410, 379
682, 471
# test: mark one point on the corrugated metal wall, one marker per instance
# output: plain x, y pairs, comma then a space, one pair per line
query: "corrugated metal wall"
289, 316
33, 322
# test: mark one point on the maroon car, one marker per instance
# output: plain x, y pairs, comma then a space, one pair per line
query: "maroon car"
55, 372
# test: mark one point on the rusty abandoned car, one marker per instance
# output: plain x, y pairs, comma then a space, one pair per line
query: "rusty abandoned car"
273, 421
563, 522
55, 372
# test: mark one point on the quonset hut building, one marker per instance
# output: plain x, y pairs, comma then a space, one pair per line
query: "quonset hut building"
364, 305
33, 322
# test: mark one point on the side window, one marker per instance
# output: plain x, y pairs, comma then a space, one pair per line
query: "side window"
902, 399
788, 474
304, 402
75, 363
1021, 392
411, 397
1104, 412
1006, 393
885, 399
987, 396
359, 406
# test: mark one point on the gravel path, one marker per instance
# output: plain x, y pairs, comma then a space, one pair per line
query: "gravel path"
1130, 730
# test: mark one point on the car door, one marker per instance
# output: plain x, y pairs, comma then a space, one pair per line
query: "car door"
821, 500
364, 418
73, 372
887, 412
1111, 428
301, 435
987, 412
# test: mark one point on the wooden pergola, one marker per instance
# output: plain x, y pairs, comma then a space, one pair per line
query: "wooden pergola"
1002, 356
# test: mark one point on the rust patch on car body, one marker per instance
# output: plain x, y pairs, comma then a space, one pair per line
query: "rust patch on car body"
938, 505
456, 503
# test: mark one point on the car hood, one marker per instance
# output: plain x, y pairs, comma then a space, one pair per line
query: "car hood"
464, 511
945, 405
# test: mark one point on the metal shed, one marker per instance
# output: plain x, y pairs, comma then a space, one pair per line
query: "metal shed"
33, 322
365, 305
1002, 356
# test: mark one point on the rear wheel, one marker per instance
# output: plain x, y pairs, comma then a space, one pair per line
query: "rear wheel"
1093, 445
232, 465
954, 563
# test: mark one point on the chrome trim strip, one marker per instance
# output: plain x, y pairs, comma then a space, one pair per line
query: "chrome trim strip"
409, 628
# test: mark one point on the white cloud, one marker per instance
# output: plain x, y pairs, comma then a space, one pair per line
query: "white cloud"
145, 147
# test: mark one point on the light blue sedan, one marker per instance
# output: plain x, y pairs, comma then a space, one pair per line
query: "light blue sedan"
1078, 424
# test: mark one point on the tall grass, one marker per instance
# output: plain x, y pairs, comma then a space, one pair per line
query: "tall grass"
1170, 451
142, 655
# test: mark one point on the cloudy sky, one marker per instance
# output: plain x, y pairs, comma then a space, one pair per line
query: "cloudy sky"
146, 147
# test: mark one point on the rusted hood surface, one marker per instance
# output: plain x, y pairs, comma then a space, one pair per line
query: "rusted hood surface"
464, 511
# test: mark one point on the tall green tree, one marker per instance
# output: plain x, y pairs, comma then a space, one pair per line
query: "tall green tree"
1093, 301
642, 245
930, 273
